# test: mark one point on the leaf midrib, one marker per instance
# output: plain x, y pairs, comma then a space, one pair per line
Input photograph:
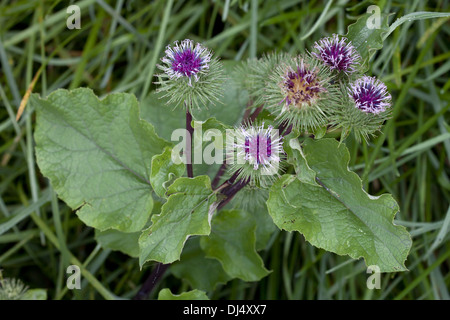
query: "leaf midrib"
113, 157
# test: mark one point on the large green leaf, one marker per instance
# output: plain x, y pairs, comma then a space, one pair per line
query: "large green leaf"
166, 294
116, 240
333, 212
125, 242
97, 156
366, 39
208, 153
232, 242
164, 170
296, 157
186, 213
253, 201
200, 272
264, 225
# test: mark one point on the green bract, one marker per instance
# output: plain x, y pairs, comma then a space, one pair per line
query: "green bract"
301, 92
353, 120
253, 75
206, 88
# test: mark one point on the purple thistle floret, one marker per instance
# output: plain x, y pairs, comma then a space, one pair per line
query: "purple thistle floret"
370, 95
185, 60
301, 86
261, 146
337, 54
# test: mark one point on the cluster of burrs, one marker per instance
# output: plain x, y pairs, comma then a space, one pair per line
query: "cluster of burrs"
322, 89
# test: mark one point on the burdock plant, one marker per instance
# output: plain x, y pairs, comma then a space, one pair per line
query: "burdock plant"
111, 165
12, 289
338, 54
365, 106
256, 154
370, 95
190, 76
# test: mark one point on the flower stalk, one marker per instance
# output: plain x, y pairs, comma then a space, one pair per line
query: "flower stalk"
190, 134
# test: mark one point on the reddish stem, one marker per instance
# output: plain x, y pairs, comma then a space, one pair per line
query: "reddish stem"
190, 131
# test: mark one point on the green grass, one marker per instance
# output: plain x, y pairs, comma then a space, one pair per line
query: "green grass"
117, 49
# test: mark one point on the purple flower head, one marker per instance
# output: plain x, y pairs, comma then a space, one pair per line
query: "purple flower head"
185, 60
259, 147
370, 95
301, 86
337, 54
